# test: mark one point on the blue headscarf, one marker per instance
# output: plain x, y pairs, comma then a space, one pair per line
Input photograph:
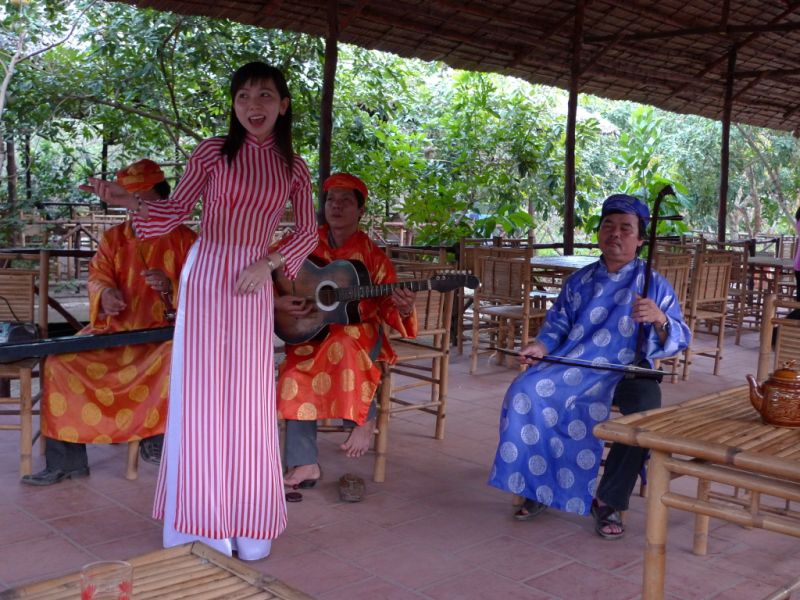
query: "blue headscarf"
626, 204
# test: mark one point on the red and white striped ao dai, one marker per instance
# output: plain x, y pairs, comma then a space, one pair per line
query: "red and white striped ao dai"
226, 481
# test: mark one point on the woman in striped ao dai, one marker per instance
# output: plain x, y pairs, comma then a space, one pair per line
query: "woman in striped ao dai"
220, 480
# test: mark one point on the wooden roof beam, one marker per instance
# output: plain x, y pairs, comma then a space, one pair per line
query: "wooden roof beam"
507, 18
749, 39
352, 14
552, 30
741, 44
445, 33
767, 73
726, 31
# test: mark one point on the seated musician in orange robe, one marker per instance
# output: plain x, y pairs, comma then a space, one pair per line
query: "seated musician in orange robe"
116, 394
336, 377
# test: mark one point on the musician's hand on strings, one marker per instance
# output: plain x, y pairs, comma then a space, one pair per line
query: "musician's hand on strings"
157, 280
294, 305
112, 302
530, 354
110, 192
645, 310
404, 301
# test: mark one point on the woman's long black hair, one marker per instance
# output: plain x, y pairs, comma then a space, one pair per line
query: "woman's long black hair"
260, 71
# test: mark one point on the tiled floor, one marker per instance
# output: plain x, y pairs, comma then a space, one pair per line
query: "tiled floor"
434, 530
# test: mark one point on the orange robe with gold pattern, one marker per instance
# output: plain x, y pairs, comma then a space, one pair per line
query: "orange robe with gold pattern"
335, 378
117, 394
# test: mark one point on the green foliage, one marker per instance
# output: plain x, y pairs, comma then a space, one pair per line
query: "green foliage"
452, 153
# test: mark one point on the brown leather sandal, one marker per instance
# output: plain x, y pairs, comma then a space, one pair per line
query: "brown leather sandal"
351, 488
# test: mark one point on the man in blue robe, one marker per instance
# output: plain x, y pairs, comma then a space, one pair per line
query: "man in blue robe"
547, 452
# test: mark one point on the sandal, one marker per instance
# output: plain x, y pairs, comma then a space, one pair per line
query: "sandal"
529, 510
307, 484
604, 517
351, 488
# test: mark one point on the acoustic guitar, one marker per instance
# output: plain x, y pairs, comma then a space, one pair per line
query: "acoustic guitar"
336, 288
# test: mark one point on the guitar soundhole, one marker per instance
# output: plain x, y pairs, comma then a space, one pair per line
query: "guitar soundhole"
326, 296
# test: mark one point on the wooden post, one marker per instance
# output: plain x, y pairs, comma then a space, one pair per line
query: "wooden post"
725, 150
328, 85
132, 462
382, 428
655, 550
44, 290
701, 521
569, 151
26, 425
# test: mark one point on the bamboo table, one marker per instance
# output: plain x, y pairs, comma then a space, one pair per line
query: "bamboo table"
568, 263
716, 438
190, 571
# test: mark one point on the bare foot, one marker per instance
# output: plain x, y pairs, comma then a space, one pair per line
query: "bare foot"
300, 473
357, 443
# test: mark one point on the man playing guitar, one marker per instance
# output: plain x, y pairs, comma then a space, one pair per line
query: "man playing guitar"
335, 376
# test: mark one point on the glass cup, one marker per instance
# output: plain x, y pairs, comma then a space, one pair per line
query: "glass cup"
107, 580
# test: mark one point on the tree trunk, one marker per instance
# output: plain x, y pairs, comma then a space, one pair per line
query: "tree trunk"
26, 157
11, 170
104, 168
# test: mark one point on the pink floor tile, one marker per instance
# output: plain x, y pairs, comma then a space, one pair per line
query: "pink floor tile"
129, 546
482, 585
512, 558
350, 538
746, 590
101, 525
374, 589
415, 565
16, 526
689, 576
315, 572
29, 561
63, 500
581, 581
590, 549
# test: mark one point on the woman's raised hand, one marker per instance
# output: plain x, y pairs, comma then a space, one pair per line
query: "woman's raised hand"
110, 193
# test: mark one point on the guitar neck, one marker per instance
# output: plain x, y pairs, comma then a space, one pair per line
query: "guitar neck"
384, 289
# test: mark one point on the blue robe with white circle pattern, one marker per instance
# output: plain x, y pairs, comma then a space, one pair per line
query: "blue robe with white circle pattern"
547, 451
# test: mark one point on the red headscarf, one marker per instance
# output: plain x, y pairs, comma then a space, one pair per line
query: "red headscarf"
345, 181
140, 176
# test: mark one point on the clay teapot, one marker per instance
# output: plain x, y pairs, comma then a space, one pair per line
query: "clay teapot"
778, 398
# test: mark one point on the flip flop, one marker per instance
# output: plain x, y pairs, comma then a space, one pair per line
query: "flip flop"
351, 488
530, 509
605, 516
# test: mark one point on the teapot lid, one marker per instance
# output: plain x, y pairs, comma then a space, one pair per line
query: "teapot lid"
787, 372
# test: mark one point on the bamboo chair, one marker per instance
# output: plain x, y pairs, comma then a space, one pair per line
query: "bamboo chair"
708, 303
745, 302
17, 287
785, 333
421, 362
675, 268
402, 254
468, 250
504, 305
470, 258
